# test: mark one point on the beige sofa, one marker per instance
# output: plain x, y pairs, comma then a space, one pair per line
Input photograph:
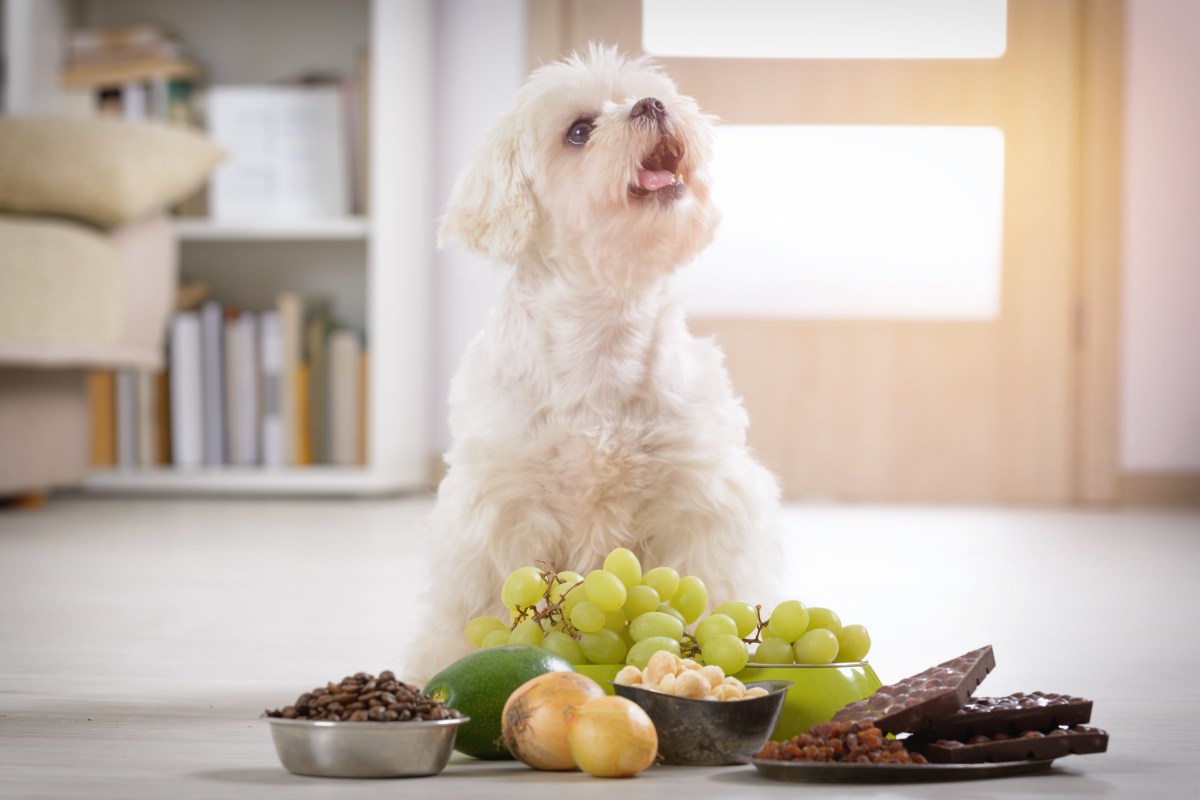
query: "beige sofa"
88, 266
72, 299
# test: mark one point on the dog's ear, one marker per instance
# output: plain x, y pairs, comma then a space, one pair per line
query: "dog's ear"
492, 209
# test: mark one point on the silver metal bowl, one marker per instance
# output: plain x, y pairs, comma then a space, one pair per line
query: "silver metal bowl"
364, 749
707, 732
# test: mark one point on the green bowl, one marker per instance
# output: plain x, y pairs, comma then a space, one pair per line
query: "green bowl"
602, 674
818, 691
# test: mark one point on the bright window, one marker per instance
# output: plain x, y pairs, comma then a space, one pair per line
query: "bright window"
825, 28
854, 222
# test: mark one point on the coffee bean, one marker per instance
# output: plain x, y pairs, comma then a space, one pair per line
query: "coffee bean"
363, 697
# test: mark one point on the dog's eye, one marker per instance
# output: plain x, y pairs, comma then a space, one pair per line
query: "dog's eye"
579, 131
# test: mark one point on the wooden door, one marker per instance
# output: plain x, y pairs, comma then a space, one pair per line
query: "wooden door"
917, 410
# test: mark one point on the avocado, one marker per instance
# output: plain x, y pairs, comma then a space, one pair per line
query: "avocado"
478, 685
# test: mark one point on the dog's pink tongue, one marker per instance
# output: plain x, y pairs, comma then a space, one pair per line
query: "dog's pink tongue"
652, 180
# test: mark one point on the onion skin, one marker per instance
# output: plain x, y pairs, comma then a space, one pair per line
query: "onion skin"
532, 724
611, 737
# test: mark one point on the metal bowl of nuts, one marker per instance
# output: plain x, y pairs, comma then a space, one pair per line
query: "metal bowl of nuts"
364, 727
701, 732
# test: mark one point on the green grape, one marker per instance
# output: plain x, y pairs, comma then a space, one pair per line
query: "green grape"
663, 580
853, 643
526, 632
495, 638
573, 597
639, 654
603, 647
788, 621
480, 627
568, 578
625, 565
824, 618
626, 638
656, 624
713, 625
727, 652
818, 646
524, 587
742, 613
691, 598
587, 617
773, 650
563, 645
604, 589
615, 620
640, 600
674, 612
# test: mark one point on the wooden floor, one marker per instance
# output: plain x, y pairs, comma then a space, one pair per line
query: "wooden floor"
139, 641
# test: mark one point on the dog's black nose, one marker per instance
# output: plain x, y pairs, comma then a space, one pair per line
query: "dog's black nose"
650, 107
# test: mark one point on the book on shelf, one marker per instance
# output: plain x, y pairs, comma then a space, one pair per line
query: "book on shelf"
133, 72
102, 398
187, 392
344, 388
162, 432
119, 73
296, 314
316, 341
270, 337
288, 152
147, 418
213, 394
241, 388
127, 424
220, 401
301, 431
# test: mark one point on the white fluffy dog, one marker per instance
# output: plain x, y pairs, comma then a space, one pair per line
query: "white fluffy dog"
584, 416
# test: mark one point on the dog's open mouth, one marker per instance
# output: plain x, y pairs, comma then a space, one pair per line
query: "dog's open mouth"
659, 173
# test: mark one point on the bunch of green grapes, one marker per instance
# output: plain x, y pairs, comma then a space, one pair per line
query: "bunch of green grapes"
813, 635
612, 615
617, 614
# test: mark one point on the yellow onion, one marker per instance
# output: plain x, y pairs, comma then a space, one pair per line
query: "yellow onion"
611, 737
532, 723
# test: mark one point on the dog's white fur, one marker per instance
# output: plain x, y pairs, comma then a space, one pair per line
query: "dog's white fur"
584, 416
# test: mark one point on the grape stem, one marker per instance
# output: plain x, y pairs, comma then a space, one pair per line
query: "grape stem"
688, 647
550, 610
757, 638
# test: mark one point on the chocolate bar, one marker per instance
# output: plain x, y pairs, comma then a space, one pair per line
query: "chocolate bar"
1033, 745
1036, 711
937, 692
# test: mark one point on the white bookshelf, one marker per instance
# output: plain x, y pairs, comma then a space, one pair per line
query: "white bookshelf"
339, 229
376, 269
243, 481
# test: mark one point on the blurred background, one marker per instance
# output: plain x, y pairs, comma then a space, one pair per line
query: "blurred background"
958, 263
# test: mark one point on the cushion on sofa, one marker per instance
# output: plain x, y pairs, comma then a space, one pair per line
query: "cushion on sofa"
73, 296
106, 172
60, 283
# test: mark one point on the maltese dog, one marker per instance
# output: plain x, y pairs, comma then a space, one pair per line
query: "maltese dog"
585, 417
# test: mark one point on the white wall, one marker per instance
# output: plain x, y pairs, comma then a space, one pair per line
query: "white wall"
481, 55
1160, 384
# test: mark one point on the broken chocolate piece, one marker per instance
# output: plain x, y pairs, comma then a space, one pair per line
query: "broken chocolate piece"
1034, 745
935, 693
1035, 711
